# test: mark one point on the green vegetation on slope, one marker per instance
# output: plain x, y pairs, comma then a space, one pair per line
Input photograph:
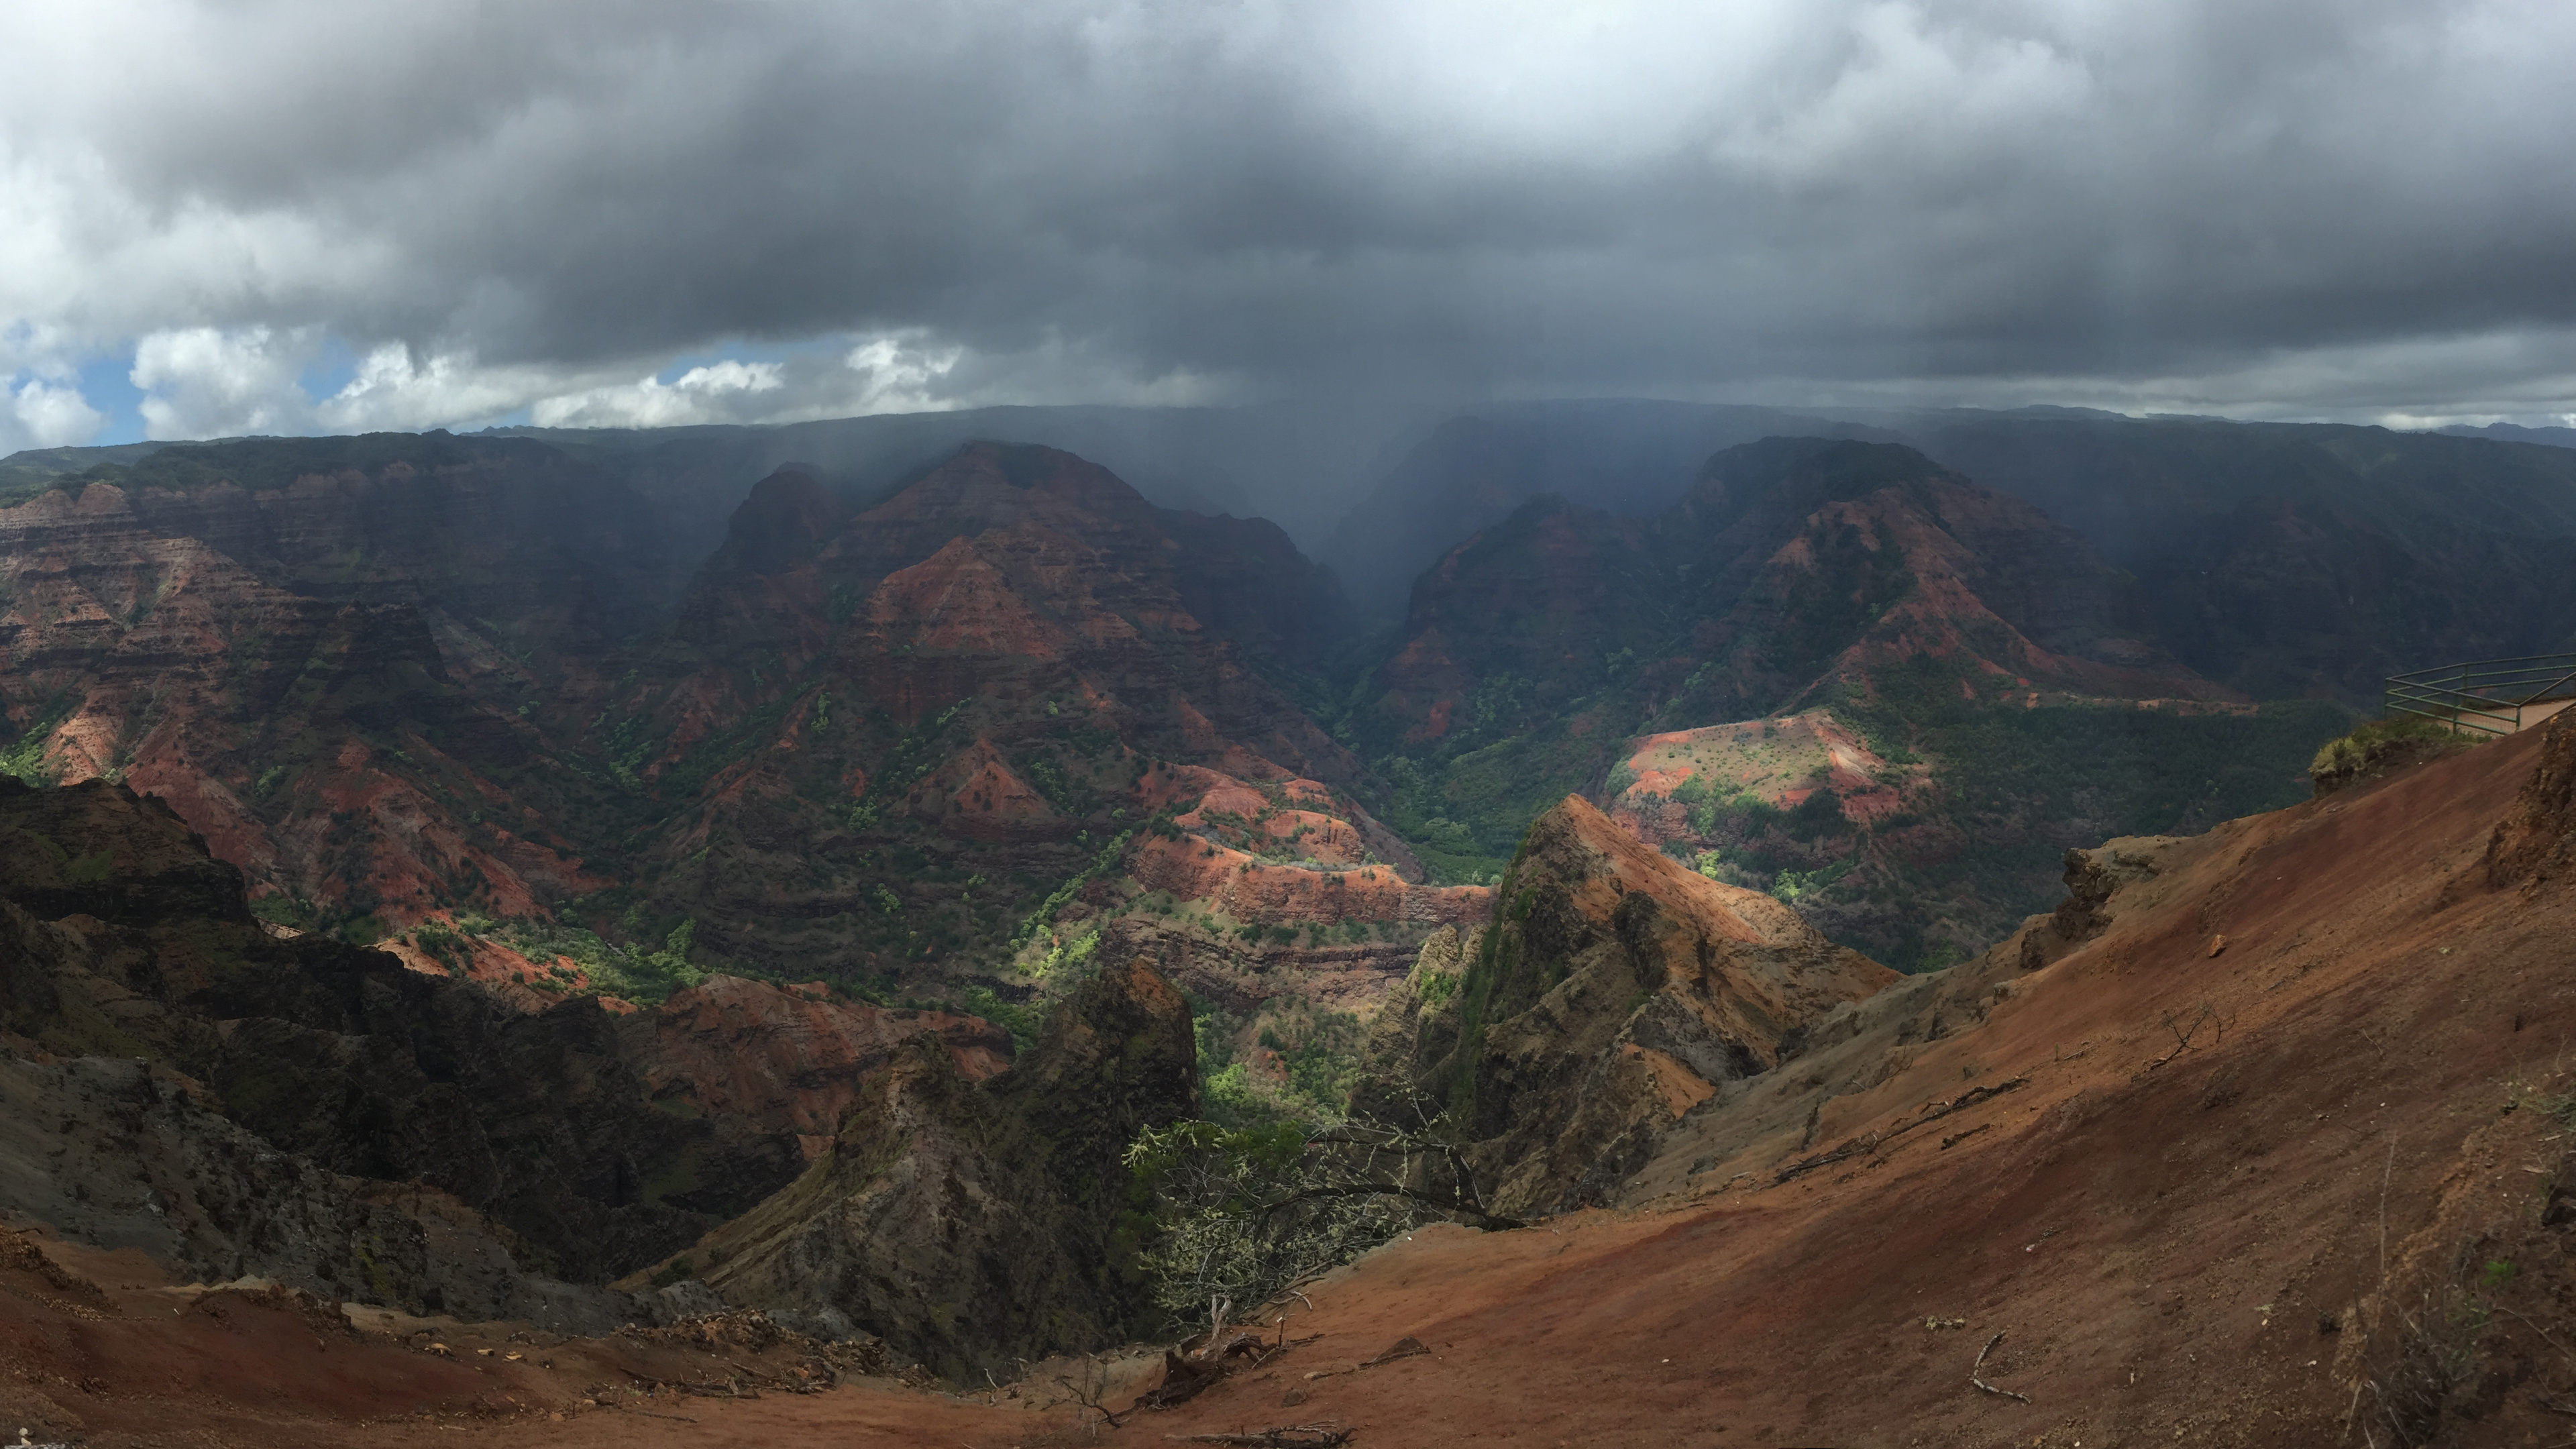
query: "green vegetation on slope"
2014, 788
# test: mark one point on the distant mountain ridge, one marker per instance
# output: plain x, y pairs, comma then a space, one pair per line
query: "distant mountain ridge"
2549, 437
539, 658
2282, 559
1797, 576
2301, 559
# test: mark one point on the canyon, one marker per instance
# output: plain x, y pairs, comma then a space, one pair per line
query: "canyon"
706, 930
2124, 1177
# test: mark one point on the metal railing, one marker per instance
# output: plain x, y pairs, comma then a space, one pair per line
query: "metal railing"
2488, 696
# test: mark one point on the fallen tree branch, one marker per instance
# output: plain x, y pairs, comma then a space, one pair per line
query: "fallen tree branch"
1872, 1141
1183, 1379
1805, 1165
1981, 1363
1287, 1436
1265, 1355
2183, 1035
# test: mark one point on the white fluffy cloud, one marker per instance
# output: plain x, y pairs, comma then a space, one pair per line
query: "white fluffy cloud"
394, 390
2345, 205
206, 382
46, 414
700, 395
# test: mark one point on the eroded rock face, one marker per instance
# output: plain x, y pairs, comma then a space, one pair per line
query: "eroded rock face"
121, 1153
2092, 878
1613, 993
1418, 1023
328, 654
2537, 841
970, 1223
387, 1096
789, 1061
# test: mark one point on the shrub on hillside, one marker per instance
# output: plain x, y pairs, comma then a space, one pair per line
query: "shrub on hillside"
1244, 1214
2381, 746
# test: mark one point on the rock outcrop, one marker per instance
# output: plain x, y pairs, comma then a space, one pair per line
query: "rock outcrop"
2093, 877
1615, 991
2536, 843
969, 1223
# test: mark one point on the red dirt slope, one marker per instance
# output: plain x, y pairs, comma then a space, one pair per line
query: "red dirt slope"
2342, 1220
2190, 1252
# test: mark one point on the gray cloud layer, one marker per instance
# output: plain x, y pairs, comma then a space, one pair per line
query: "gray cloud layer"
2331, 206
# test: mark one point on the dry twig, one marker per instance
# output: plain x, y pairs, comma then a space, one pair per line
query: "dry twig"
2183, 1034
1088, 1394
1981, 1363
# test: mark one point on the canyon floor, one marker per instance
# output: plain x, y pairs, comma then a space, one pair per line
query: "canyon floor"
2280, 1157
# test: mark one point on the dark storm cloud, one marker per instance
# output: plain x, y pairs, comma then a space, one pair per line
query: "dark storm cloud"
2319, 205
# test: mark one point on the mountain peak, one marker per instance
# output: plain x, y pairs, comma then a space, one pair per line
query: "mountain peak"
788, 517
979, 467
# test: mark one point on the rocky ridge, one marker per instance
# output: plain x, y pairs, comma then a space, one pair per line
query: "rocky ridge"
1616, 992
973, 1223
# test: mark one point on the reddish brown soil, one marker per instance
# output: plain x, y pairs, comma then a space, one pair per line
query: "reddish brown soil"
2240, 1246
143, 1364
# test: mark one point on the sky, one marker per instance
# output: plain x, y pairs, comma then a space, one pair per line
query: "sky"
264, 217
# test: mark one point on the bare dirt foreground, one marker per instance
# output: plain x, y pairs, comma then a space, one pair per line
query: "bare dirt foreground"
2308, 1186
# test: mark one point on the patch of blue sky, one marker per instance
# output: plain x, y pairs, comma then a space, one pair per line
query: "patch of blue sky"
107, 384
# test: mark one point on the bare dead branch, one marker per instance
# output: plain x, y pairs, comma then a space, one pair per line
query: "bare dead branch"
1871, 1141
1981, 1363
2526, 1322
1087, 1394
2184, 1034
